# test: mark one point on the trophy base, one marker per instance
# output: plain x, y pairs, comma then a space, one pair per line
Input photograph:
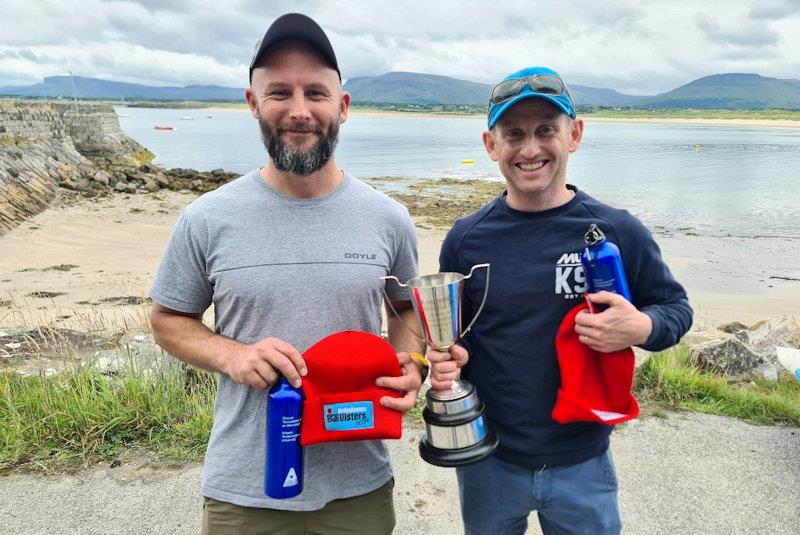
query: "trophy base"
458, 457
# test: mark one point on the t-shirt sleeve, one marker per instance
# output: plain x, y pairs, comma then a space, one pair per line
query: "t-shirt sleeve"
406, 265
181, 282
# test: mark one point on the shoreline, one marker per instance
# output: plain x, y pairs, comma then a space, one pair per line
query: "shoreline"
778, 123
783, 123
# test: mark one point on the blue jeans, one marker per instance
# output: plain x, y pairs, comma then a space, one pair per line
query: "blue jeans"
496, 498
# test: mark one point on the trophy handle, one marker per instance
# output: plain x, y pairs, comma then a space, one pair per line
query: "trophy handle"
389, 302
485, 295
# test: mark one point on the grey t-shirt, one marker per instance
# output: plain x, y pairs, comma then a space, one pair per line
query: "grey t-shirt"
298, 270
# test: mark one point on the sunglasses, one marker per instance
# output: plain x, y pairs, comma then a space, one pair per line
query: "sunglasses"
545, 84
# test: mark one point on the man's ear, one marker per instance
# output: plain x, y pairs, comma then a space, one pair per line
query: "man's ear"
576, 135
344, 105
250, 97
489, 143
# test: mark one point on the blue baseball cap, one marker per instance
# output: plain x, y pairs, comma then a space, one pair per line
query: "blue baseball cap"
563, 101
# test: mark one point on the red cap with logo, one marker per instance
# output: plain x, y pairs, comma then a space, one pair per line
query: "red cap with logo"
595, 387
342, 402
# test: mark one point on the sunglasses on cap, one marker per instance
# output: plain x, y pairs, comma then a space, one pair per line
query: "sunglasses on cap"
545, 84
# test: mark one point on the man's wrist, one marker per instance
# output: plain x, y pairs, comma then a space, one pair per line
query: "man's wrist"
422, 363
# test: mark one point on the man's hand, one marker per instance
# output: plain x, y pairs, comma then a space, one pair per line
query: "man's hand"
619, 326
259, 364
407, 383
446, 367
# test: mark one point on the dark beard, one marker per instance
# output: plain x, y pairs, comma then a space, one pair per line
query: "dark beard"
299, 162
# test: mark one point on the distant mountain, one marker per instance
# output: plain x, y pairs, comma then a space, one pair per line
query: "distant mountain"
586, 96
415, 88
733, 90
433, 90
94, 88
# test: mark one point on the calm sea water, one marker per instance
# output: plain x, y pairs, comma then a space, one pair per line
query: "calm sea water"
739, 180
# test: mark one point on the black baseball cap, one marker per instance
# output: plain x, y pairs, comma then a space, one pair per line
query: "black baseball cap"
296, 26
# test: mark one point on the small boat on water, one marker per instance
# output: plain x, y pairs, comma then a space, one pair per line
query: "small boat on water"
187, 118
467, 160
163, 127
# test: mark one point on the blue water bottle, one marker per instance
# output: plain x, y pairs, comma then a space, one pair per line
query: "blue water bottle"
283, 463
602, 265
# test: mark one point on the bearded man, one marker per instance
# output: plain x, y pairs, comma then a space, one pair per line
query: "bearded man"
273, 252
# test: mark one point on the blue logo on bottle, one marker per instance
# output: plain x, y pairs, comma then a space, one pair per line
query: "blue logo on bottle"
348, 416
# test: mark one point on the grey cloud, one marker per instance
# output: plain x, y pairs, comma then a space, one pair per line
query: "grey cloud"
747, 54
659, 45
742, 34
774, 10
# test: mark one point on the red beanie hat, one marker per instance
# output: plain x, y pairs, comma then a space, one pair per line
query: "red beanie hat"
595, 387
342, 401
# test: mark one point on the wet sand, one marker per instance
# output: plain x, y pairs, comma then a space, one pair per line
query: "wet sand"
89, 263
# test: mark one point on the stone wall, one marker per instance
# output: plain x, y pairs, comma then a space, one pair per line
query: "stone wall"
79, 147
35, 153
47, 144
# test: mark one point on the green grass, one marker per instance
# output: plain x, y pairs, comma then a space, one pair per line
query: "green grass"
80, 416
669, 379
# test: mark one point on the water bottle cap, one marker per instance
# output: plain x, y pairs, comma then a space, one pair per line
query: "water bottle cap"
594, 235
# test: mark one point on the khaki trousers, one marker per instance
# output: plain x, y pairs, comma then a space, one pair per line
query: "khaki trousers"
369, 514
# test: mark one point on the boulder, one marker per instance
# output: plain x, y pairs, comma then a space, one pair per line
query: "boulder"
694, 338
732, 327
151, 185
137, 352
780, 331
734, 359
102, 177
161, 179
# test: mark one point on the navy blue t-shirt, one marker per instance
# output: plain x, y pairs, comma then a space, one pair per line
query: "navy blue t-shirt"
536, 278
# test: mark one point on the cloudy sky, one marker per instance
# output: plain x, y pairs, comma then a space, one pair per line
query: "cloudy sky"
635, 47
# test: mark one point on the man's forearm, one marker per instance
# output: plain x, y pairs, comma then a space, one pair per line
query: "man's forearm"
400, 337
188, 339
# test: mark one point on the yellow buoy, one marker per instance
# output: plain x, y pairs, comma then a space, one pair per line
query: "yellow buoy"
467, 160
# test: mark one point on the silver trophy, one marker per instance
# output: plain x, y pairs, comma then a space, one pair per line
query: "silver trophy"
455, 425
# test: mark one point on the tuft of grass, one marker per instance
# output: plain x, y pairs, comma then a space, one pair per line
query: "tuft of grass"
670, 378
80, 416
415, 415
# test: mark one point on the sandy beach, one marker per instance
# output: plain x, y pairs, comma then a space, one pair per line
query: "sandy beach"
90, 261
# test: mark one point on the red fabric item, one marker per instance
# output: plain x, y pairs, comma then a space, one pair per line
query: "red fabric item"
342, 402
595, 387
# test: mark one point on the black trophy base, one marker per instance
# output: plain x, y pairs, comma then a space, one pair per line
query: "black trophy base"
458, 457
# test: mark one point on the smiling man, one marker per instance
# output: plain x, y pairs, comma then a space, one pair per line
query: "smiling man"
533, 235
289, 254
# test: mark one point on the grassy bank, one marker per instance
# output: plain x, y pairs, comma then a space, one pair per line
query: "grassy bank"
669, 380
82, 416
